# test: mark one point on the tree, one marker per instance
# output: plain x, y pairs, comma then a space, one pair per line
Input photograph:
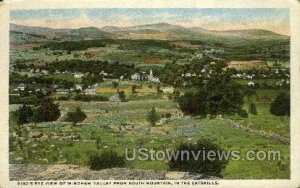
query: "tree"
115, 84
47, 111
24, 114
133, 89
203, 164
281, 105
122, 96
152, 116
193, 103
76, 116
252, 109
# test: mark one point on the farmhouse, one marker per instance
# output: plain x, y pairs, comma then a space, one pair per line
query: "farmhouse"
78, 87
78, 75
137, 76
251, 84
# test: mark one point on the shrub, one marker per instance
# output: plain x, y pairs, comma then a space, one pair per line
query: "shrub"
107, 159
281, 105
77, 116
242, 113
122, 96
252, 109
152, 116
115, 84
202, 164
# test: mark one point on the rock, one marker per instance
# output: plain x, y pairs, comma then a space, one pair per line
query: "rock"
175, 175
20, 172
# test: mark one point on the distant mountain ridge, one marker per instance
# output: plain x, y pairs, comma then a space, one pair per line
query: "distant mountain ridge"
148, 31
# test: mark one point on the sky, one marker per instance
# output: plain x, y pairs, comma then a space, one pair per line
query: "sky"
276, 20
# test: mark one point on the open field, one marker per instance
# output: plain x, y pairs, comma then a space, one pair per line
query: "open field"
108, 120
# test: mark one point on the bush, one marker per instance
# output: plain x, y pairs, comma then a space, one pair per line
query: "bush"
115, 84
202, 164
281, 105
107, 159
122, 96
252, 109
242, 113
77, 116
152, 116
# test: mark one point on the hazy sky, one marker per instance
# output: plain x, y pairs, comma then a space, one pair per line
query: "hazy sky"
276, 20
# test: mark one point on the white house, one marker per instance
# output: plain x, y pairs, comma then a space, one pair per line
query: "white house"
137, 76
78, 87
78, 75
251, 84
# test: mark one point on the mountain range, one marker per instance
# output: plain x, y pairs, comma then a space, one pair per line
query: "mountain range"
159, 31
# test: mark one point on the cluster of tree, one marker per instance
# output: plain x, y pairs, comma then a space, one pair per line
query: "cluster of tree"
254, 49
45, 111
26, 100
74, 45
215, 93
115, 69
15, 78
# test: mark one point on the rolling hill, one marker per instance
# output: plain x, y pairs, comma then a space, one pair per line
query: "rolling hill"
159, 31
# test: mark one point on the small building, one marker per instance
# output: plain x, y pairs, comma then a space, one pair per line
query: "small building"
152, 78
62, 91
251, 84
137, 76
21, 87
78, 75
90, 91
78, 87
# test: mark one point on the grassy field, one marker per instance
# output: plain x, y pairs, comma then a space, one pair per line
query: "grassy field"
108, 121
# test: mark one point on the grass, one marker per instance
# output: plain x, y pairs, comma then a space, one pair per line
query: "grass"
264, 120
102, 115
